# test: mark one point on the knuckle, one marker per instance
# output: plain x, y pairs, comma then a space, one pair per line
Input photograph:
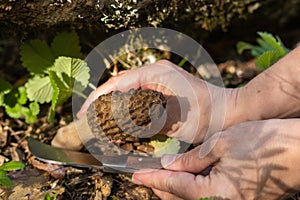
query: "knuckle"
186, 160
220, 146
169, 184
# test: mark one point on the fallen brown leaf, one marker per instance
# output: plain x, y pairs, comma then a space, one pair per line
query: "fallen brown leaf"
29, 184
56, 171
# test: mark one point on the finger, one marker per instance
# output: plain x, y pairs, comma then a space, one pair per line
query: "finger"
165, 195
185, 185
193, 161
180, 184
167, 181
147, 77
114, 83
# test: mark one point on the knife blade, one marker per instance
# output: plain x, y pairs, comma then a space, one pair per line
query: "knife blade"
113, 164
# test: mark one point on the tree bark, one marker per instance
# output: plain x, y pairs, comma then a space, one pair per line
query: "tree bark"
25, 15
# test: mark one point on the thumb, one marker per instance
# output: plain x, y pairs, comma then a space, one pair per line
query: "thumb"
197, 159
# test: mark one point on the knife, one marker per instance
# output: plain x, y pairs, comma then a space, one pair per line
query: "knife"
112, 164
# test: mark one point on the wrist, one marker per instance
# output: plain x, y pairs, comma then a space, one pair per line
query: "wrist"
235, 107
223, 107
243, 104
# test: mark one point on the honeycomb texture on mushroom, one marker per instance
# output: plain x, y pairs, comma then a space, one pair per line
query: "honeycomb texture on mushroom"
122, 116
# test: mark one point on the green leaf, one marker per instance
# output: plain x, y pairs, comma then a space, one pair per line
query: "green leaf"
39, 89
36, 56
165, 146
66, 44
267, 59
12, 165
22, 95
34, 108
29, 117
71, 69
16, 111
11, 99
4, 180
62, 77
206, 198
269, 42
242, 46
266, 42
15, 96
62, 91
5, 88
31, 112
49, 197
60, 95
269, 50
255, 50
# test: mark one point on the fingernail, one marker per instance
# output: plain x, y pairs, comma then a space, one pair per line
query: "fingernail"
168, 159
135, 180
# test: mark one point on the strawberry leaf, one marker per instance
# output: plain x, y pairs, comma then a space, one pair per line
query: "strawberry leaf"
16, 111
70, 69
268, 51
270, 43
267, 59
39, 89
66, 44
36, 56
61, 93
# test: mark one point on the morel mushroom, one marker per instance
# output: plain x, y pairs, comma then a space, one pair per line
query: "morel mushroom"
124, 117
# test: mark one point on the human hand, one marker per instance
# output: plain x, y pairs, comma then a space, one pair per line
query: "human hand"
252, 160
192, 104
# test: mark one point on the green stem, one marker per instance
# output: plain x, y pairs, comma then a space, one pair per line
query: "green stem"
92, 86
80, 94
182, 62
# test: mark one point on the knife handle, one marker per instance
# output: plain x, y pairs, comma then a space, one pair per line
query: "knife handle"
133, 163
138, 162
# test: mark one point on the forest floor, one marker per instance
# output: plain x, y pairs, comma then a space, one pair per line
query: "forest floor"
38, 178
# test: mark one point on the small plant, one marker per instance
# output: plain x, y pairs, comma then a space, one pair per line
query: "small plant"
53, 70
50, 197
268, 51
4, 168
164, 145
16, 104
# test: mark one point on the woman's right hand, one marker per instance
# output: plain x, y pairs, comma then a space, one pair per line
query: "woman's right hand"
251, 160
